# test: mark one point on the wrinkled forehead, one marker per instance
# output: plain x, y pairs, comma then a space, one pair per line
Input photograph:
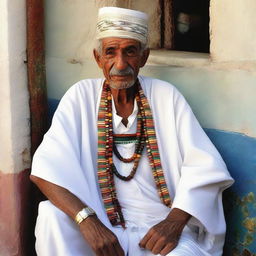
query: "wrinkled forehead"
120, 42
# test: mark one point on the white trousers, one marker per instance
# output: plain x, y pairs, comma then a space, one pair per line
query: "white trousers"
58, 235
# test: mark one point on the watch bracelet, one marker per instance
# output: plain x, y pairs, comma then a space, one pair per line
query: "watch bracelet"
84, 214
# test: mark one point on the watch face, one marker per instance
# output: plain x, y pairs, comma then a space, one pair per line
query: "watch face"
90, 211
83, 214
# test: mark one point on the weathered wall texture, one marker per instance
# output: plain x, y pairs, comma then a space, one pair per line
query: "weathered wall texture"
14, 115
221, 99
5, 124
14, 127
233, 24
70, 26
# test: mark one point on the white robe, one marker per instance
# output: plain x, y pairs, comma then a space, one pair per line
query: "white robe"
194, 171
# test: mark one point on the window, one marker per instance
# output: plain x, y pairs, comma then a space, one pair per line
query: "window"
191, 25
185, 25
175, 24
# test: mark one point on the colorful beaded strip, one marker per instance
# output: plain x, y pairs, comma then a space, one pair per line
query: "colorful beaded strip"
106, 169
152, 150
125, 138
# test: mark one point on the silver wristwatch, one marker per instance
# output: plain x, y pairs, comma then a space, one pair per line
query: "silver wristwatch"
83, 214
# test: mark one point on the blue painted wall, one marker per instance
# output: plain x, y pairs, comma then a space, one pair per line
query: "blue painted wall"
239, 153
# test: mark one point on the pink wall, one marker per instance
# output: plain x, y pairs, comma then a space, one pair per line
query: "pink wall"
14, 213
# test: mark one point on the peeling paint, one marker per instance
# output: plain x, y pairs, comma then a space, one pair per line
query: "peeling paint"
241, 221
75, 61
238, 152
250, 224
26, 156
247, 253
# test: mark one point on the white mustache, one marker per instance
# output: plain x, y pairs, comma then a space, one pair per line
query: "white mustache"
116, 72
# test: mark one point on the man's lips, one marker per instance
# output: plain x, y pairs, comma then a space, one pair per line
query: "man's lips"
118, 77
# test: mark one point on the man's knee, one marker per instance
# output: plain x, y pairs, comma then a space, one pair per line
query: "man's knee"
49, 216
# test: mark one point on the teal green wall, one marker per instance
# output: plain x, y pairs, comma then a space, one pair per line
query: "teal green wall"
221, 99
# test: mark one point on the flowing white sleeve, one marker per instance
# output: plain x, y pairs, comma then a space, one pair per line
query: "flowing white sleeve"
58, 158
203, 175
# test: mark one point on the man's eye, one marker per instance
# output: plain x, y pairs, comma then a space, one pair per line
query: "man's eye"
109, 52
132, 52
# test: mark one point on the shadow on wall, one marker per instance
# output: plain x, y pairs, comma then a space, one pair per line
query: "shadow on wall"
238, 152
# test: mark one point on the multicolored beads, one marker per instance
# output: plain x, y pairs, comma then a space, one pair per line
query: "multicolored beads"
145, 136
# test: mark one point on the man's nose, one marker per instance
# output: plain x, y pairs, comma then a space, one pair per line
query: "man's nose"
121, 62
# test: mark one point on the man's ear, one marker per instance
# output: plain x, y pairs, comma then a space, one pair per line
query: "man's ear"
144, 57
97, 57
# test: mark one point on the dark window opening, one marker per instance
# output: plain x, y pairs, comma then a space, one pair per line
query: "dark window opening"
185, 25
191, 25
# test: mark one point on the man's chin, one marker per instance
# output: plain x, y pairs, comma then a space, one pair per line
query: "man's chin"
121, 85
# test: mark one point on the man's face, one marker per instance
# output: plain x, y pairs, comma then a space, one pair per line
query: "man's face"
121, 60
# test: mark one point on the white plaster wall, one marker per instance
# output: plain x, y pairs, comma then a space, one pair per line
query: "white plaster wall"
221, 99
233, 26
6, 161
70, 26
14, 113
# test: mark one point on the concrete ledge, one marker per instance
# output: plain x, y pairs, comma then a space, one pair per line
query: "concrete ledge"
178, 58
196, 59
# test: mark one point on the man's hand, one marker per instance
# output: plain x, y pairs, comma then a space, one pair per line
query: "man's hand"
100, 238
164, 236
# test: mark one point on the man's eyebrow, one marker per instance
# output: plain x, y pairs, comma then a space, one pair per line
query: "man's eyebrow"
110, 48
132, 47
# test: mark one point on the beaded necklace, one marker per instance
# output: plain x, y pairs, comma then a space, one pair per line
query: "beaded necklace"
139, 145
125, 138
145, 136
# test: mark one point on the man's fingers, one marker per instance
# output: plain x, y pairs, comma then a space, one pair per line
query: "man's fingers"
119, 252
151, 242
168, 248
114, 248
109, 249
118, 249
102, 240
145, 239
158, 245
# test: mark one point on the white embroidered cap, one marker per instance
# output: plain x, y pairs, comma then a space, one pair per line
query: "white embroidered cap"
123, 23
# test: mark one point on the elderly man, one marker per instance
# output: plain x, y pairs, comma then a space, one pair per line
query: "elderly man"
125, 165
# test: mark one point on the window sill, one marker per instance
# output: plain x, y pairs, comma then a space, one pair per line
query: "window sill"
178, 58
